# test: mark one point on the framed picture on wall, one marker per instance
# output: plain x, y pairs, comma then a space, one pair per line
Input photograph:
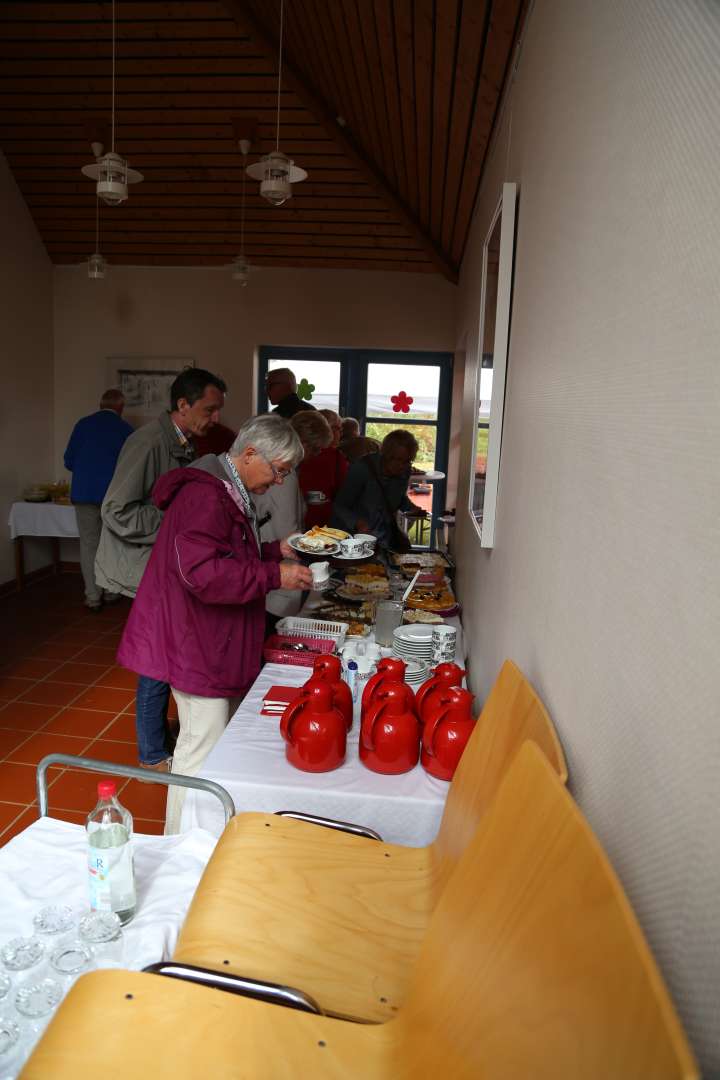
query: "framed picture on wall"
146, 382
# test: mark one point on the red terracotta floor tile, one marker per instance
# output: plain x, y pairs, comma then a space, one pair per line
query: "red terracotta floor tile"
24, 716
145, 825
32, 668
17, 782
57, 650
122, 753
37, 746
122, 729
76, 790
81, 722
120, 678
105, 699
72, 635
80, 674
25, 819
145, 800
11, 688
8, 813
10, 740
97, 654
77, 817
51, 693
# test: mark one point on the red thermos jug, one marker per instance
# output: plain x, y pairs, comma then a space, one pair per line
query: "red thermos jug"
441, 679
390, 732
329, 669
390, 671
446, 731
314, 730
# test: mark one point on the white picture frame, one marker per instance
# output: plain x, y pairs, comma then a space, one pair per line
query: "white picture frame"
484, 521
145, 381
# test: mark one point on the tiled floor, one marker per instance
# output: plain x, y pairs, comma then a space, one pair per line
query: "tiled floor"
61, 691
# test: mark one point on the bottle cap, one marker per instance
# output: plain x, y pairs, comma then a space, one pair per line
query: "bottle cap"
352, 666
107, 788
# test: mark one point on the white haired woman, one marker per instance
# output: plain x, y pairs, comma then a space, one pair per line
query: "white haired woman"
199, 616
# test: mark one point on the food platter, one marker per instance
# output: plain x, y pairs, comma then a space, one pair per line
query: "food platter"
363, 592
313, 545
420, 616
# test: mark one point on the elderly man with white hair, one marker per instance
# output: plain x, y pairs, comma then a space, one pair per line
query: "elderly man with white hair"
199, 616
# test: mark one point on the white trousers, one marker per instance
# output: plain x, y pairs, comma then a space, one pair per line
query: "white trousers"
202, 722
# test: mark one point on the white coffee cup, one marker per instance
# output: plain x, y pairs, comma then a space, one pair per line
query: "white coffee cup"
444, 643
315, 497
368, 540
353, 547
320, 573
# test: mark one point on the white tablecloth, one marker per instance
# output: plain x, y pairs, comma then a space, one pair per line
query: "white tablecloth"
249, 760
47, 864
42, 519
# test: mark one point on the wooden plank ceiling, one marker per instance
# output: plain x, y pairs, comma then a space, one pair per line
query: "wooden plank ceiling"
388, 104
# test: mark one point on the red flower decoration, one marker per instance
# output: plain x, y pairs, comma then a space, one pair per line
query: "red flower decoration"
401, 402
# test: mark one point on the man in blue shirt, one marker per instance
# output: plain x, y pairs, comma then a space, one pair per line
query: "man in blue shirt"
91, 457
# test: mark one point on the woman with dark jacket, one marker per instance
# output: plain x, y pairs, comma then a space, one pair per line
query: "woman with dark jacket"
375, 489
199, 616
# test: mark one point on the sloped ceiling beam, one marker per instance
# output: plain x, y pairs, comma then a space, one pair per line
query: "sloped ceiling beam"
344, 140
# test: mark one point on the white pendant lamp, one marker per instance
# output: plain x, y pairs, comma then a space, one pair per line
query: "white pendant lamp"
110, 171
96, 265
276, 172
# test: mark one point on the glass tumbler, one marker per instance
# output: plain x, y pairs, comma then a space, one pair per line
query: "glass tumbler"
71, 960
10, 1046
53, 920
101, 931
22, 953
388, 616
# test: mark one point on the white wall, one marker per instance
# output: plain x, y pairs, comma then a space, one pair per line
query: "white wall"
603, 583
26, 411
205, 315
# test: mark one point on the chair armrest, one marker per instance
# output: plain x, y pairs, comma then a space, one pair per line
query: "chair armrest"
270, 993
331, 823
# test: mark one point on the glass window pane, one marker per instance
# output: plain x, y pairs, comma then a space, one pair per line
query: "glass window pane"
421, 382
426, 435
323, 375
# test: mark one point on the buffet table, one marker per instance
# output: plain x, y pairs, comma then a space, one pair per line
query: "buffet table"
47, 520
249, 761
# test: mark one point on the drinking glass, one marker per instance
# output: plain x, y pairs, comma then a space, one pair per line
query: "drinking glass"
388, 616
22, 953
101, 931
5, 984
54, 919
71, 960
9, 1046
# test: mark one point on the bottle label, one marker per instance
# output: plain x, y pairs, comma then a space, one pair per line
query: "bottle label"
111, 878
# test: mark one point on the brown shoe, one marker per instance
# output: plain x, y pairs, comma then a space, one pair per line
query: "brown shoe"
160, 766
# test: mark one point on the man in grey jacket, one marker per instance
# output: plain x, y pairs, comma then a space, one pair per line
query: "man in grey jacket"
131, 522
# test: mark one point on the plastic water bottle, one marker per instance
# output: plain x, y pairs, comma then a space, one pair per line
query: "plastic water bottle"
111, 877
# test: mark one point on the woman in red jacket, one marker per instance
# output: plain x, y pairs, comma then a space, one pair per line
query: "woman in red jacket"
198, 619
323, 467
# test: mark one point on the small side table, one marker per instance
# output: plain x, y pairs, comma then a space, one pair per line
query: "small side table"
48, 520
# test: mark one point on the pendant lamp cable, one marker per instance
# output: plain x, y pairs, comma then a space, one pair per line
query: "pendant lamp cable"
242, 210
280, 59
97, 226
113, 77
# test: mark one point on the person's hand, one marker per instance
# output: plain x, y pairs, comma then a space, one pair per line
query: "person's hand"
293, 575
287, 552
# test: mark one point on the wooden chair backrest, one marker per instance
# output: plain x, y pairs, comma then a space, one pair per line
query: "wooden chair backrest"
534, 964
512, 713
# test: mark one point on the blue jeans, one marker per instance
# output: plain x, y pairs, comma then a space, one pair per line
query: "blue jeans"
151, 705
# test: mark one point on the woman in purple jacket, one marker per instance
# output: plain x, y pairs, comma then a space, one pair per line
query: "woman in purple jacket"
199, 616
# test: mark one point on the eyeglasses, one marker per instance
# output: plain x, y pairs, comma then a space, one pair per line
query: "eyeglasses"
278, 474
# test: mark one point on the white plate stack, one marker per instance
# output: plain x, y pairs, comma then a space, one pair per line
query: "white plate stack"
416, 673
413, 644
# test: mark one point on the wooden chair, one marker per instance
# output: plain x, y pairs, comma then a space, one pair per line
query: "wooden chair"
343, 917
533, 968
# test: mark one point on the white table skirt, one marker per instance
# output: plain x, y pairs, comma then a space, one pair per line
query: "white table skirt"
249, 760
42, 519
